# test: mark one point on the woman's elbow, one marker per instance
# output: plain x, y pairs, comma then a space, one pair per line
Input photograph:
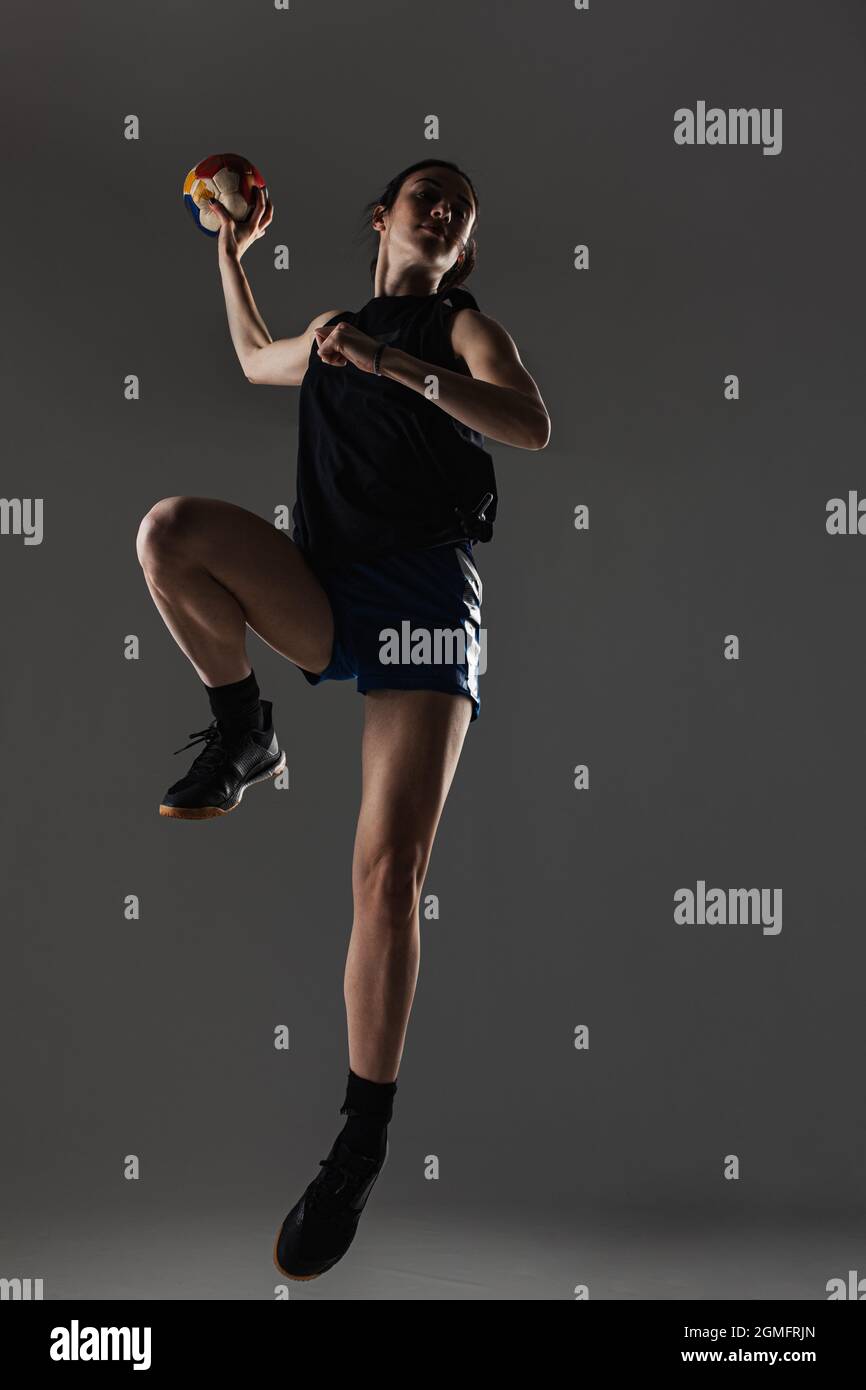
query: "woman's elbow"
539, 433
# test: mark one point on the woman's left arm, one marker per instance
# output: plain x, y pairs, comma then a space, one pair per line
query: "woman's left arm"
500, 398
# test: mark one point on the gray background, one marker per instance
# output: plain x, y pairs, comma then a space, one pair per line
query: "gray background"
558, 1167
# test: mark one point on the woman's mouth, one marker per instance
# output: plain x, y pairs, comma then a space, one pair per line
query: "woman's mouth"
432, 227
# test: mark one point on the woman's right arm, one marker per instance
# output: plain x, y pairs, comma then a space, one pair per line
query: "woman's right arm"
265, 362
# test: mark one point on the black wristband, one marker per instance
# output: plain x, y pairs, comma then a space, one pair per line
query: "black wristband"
377, 359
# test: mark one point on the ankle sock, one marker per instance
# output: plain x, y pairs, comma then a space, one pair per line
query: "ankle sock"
369, 1106
238, 704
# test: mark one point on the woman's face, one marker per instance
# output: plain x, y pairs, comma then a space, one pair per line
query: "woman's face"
432, 217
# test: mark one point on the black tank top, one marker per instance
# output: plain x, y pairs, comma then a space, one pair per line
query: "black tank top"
380, 467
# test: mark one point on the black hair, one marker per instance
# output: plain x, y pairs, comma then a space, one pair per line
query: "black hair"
458, 273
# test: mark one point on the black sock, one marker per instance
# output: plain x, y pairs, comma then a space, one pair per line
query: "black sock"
369, 1105
238, 704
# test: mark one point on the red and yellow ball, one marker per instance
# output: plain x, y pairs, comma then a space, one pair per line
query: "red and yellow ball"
228, 179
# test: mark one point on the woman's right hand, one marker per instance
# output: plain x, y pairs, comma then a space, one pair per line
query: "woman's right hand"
236, 237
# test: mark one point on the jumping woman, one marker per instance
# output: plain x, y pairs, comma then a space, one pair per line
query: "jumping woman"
393, 488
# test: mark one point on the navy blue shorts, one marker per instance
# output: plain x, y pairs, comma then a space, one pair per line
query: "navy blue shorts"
410, 621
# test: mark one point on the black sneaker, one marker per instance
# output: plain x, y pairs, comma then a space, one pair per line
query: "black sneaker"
321, 1226
228, 764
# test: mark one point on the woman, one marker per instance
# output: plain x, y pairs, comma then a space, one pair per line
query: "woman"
393, 488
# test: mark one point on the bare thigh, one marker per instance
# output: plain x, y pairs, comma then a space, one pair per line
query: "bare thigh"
281, 598
410, 748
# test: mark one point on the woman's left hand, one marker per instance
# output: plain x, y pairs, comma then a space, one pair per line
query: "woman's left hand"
345, 343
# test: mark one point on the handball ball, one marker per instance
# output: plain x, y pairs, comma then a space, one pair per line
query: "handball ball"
228, 178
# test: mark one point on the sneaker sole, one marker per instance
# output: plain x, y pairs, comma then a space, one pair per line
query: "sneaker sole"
305, 1278
209, 812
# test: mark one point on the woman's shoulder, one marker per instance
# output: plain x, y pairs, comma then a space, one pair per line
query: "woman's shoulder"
457, 298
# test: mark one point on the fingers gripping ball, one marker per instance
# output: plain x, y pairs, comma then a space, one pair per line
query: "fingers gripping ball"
228, 179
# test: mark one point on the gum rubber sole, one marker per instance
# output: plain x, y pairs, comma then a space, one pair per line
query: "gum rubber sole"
209, 812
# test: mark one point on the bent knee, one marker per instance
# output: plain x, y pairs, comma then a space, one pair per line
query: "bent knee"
387, 882
162, 528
